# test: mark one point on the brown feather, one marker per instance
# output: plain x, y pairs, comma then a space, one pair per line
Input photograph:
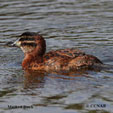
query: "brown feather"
59, 60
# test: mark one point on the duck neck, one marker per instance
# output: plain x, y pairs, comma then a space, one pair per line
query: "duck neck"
34, 57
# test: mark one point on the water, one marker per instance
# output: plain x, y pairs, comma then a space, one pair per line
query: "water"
84, 24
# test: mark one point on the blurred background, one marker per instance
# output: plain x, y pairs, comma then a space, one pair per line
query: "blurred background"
83, 24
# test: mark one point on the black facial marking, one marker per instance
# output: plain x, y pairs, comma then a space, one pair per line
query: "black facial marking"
26, 39
29, 44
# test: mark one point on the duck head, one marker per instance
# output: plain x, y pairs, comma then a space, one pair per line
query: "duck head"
31, 43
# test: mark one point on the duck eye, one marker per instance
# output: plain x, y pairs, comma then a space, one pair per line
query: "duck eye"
27, 39
29, 44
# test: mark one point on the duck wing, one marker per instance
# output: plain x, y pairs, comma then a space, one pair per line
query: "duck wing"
69, 53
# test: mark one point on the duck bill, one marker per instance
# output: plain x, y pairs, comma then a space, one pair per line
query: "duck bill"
17, 43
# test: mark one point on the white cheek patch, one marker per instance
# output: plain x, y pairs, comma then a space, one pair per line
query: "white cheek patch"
26, 49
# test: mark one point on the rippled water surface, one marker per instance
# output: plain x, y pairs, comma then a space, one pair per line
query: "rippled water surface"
84, 24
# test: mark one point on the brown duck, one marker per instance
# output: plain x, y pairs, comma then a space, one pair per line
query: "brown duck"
34, 47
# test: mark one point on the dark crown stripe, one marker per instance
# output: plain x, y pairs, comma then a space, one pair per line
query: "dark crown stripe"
26, 39
29, 44
29, 34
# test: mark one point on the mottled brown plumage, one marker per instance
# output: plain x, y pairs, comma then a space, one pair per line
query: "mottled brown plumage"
34, 48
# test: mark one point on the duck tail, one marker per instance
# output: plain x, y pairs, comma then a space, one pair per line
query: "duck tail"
102, 66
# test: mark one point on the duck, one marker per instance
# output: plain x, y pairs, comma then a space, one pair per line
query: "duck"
33, 46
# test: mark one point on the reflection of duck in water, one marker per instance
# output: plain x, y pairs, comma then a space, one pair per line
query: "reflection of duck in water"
34, 48
33, 79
